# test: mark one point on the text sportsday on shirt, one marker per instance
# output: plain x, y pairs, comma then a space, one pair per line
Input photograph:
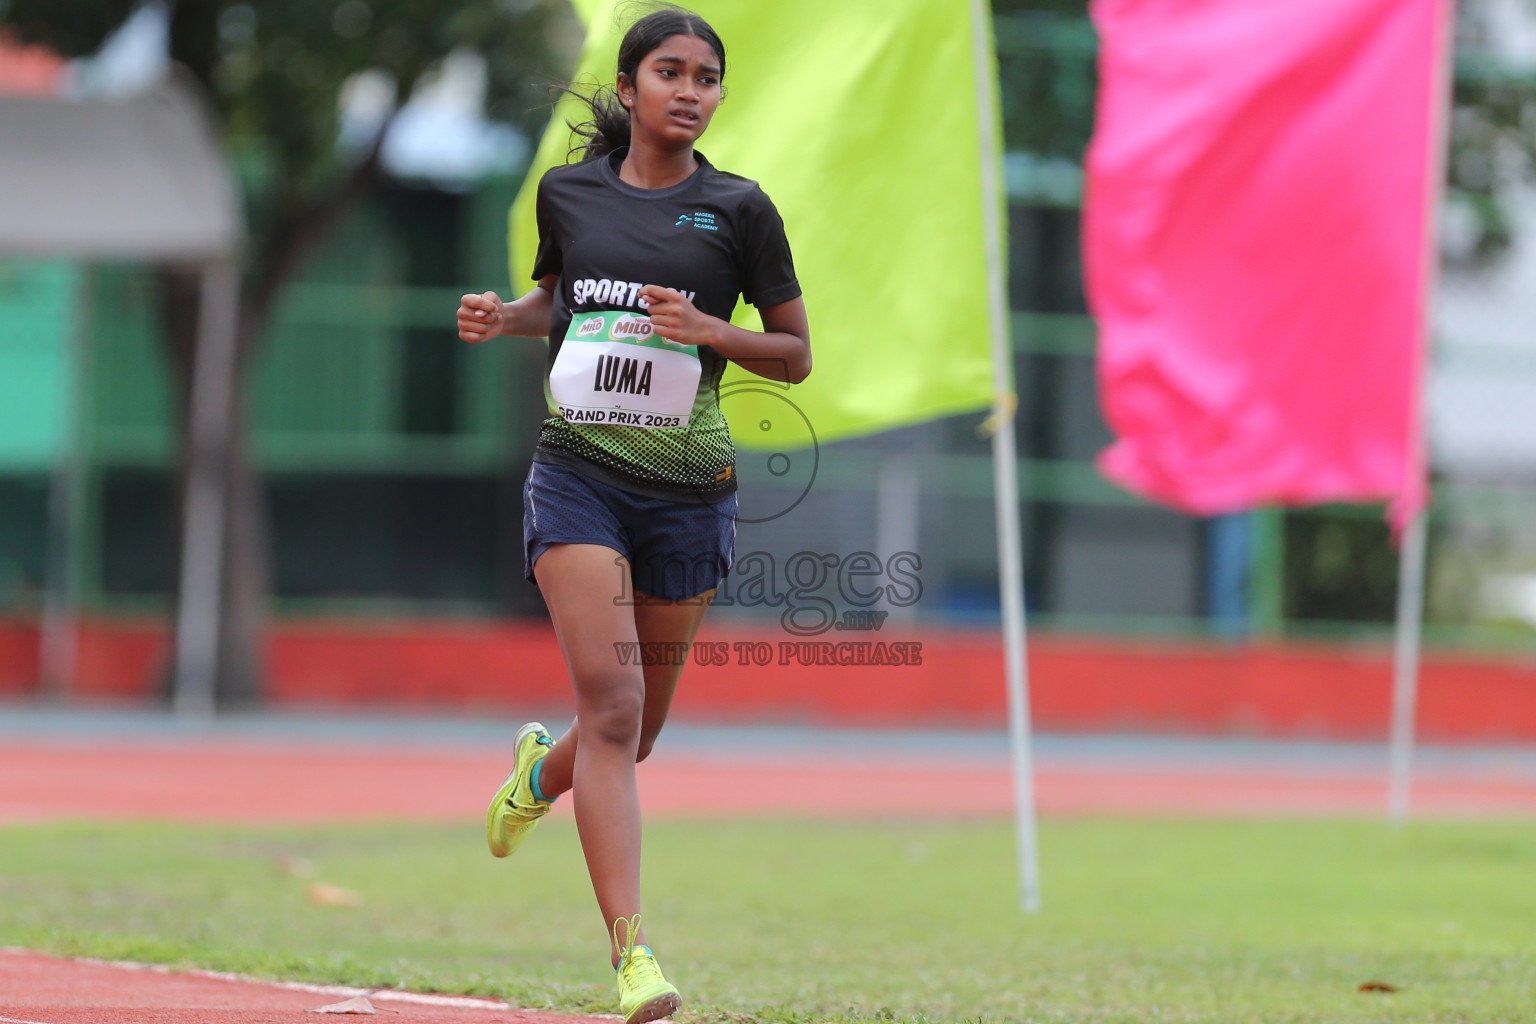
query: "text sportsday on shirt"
611, 292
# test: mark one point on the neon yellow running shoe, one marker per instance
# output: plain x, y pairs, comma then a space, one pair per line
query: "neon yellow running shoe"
514, 811
644, 995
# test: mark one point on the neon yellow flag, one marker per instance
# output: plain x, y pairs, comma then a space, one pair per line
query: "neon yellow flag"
859, 119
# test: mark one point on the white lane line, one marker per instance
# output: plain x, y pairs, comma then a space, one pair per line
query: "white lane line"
18, 1020
419, 998
429, 999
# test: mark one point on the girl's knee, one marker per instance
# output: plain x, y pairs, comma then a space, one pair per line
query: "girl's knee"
613, 718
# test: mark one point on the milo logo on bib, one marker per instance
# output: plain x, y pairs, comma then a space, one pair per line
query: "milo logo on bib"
614, 369
629, 327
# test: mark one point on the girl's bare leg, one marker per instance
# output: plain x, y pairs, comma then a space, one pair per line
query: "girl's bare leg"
656, 621
620, 706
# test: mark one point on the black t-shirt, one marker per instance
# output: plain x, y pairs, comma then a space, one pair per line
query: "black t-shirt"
715, 237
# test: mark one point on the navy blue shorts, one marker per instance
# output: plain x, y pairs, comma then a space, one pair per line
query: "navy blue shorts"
676, 550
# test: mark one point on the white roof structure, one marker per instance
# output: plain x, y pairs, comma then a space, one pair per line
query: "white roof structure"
141, 178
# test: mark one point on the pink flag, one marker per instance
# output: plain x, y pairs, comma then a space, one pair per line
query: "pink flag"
1255, 230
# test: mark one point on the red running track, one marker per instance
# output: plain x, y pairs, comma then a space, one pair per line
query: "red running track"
252, 782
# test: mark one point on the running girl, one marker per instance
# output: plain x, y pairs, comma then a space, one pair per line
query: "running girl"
629, 513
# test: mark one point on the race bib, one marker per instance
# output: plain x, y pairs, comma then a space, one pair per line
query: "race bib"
613, 368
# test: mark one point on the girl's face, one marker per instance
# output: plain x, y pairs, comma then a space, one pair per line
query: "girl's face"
674, 93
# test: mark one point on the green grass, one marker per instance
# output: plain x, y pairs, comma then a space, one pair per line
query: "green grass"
793, 921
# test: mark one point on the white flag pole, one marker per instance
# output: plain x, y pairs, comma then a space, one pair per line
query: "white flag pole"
1410, 585
1405, 665
1005, 467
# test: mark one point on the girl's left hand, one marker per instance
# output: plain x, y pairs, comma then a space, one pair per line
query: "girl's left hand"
677, 319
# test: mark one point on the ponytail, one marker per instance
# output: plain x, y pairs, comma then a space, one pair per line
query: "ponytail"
606, 130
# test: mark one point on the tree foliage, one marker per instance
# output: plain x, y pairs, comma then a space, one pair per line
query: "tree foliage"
1492, 129
275, 68
275, 71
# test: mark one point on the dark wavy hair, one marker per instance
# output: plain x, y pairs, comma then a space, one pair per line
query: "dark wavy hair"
608, 127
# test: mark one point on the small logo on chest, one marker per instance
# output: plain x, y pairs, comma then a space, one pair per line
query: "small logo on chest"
699, 219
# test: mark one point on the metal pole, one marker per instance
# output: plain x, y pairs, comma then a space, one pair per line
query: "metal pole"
899, 500
58, 631
58, 643
1011, 583
1005, 465
1410, 586
1405, 663
200, 610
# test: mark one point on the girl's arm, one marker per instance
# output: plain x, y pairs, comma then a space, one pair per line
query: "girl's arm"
781, 352
483, 317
